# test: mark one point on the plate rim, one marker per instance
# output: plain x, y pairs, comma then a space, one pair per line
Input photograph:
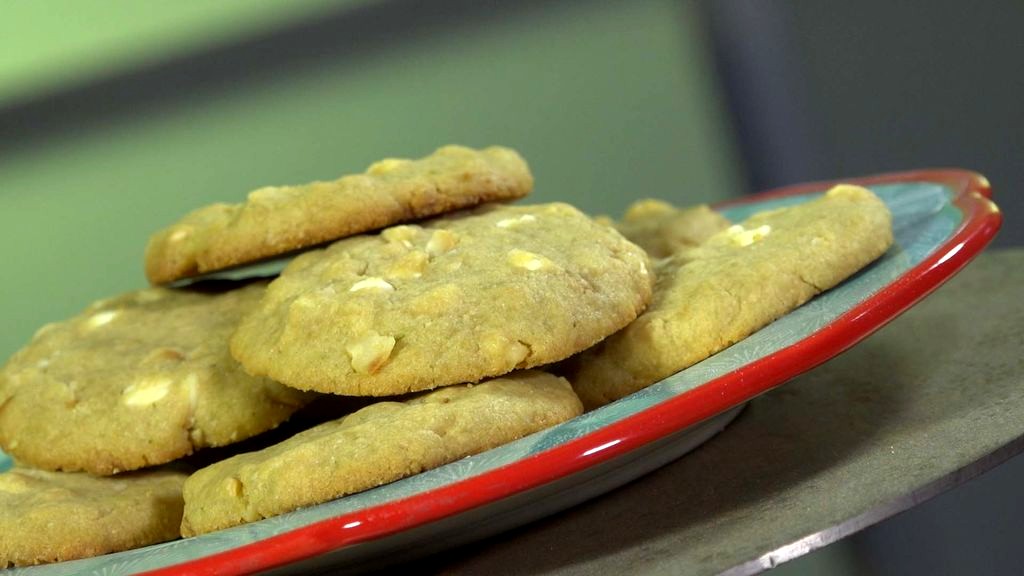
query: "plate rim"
981, 220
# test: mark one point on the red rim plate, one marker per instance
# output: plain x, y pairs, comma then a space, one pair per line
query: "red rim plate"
981, 221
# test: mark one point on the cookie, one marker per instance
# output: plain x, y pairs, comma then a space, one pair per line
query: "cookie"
381, 443
279, 219
741, 279
662, 229
453, 300
135, 381
56, 516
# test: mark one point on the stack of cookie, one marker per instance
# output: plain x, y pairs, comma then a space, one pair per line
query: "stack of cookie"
435, 303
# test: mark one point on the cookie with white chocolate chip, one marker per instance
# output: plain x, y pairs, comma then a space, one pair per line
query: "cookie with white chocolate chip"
663, 229
740, 279
279, 219
137, 380
456, 299
381, 443
56, 516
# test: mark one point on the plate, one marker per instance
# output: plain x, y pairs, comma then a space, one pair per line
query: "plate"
941, 219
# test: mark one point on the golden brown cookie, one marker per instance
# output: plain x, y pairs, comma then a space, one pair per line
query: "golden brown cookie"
135, 381
453, 300
279, 219
741, 279
662, 229
381, 443
56, 516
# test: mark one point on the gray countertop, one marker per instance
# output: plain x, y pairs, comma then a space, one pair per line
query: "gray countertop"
928, 402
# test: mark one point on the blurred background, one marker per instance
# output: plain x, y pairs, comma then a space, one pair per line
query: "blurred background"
116, 118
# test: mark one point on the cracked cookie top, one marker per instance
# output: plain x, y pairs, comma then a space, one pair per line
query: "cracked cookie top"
276, 220
456, 299
137, 380
663, 229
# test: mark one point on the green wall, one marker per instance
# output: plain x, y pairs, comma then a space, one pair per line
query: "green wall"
609, 101
48, 45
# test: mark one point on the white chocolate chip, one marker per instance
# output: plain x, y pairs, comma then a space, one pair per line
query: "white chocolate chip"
100, 304
517, 352
762, 231
233, 486
411, 265
386, 165
179, 234
101, 318
512, 222
528, 260
191, 385
44, 329
743, 237
436, 300
268, 194
503, 351
372, 283
341, 269
370, 352
146, 391
403, 235
441, 241
559, 208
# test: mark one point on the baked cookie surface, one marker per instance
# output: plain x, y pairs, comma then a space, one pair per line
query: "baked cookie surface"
741, 279
378, 444
663, 229
276, 220
456, 299
134, 381
55, 516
